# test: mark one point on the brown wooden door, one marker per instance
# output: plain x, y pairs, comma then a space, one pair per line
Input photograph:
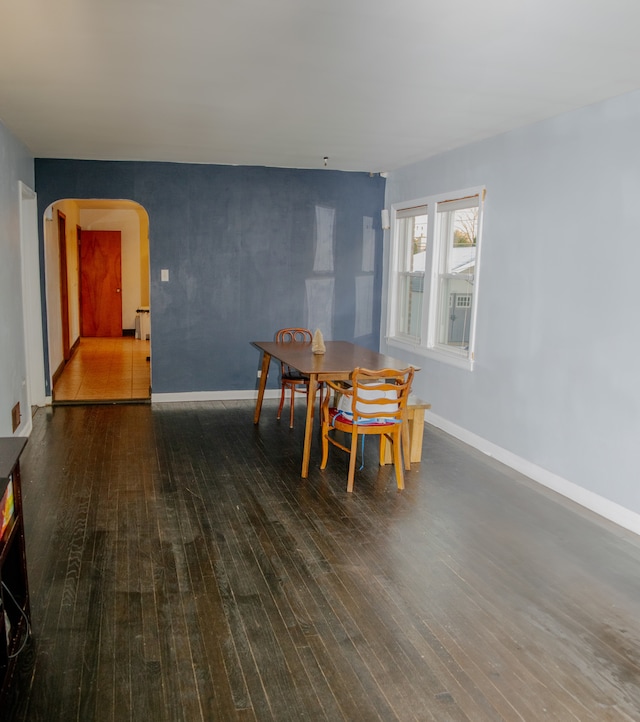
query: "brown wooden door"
100, 283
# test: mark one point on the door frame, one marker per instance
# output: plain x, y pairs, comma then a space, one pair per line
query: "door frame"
31, 298
49, 251
64, 285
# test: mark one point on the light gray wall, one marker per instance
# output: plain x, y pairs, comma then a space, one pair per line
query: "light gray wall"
15, 165
556, 379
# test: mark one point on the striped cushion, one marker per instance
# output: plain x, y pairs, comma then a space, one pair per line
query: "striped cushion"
346, 417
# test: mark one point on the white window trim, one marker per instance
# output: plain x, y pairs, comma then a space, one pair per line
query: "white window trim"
429, 348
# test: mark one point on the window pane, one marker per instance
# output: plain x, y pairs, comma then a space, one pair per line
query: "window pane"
410, 294
459, 230
412, 240
412, 235
458, 242
456, 301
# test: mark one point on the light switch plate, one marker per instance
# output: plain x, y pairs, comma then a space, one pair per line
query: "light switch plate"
164, 274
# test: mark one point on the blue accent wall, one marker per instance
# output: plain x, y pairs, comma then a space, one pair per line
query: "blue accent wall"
240, 246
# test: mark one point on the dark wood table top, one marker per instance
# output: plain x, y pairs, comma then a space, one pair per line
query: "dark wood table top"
340, 357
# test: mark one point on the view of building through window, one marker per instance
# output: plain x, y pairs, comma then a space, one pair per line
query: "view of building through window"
435, 269
458, 234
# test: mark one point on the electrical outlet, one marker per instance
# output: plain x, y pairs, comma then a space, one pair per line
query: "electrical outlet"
260, 374
15, 416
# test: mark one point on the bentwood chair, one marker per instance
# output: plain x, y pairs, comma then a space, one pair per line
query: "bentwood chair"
291, 378
374, 403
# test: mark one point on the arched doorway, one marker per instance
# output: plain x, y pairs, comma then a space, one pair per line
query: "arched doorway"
99, 367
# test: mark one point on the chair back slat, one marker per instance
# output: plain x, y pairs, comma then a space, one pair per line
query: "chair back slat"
294, 335
380, 394
376, 396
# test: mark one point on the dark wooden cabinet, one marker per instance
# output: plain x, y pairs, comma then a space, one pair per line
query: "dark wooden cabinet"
15, 619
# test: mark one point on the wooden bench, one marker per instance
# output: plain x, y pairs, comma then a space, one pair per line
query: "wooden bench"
415, 415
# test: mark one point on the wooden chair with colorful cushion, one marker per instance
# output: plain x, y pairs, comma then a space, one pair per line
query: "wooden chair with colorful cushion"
372, 403
291, 378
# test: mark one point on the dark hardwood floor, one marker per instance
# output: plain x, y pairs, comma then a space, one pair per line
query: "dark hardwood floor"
181, 570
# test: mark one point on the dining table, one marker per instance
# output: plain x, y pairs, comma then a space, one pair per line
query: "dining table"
337, 363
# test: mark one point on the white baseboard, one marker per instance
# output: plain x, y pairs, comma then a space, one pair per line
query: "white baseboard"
616, 513
25, 427
251, 394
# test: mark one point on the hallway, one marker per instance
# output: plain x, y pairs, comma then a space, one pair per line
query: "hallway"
106, 369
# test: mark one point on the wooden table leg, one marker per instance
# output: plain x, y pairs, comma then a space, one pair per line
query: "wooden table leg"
415, 416
308, 428
266, 360
417, 432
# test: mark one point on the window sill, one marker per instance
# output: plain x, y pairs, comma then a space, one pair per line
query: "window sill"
437, 354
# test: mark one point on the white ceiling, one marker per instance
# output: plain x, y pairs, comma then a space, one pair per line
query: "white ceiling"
372, 84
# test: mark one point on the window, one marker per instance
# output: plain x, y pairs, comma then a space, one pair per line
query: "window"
434, 272
412, 234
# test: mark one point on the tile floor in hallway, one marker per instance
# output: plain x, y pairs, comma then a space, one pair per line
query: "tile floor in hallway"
105, 369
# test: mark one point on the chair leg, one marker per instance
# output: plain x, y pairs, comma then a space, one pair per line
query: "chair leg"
406, 445
397, 458
383, 448
293, 394
352, 459
325, 445
281, 401
406, 448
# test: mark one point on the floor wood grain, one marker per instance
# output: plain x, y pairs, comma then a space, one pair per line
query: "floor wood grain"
181, 570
